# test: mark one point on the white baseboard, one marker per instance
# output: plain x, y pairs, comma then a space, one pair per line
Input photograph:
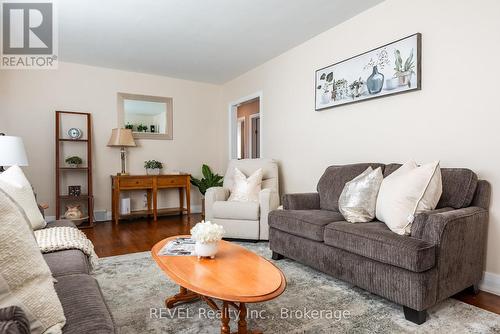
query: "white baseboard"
194, 209
490, 283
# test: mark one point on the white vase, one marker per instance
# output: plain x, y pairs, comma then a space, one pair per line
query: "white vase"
153, 171
208, 249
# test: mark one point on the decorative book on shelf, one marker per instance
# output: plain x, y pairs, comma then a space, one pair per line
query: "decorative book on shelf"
73, 166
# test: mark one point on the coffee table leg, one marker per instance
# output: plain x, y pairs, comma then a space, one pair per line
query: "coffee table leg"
225, 319
242, 319
184, 296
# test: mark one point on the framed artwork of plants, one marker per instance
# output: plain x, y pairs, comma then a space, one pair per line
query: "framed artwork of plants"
390, 69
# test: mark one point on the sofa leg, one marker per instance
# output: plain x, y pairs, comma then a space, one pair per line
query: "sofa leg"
415, 316
277, 256
473, 289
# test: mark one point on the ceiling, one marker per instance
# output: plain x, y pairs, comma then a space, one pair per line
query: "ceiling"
212, 41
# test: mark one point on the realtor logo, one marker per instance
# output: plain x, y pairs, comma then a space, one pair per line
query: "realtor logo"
28, 35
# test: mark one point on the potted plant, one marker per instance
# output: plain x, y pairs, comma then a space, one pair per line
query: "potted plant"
404, 71
129, 126
153, 167
142, 128
209, 180
356, 88
74, 161
207, 236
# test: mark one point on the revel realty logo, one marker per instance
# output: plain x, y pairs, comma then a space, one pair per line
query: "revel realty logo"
29, 36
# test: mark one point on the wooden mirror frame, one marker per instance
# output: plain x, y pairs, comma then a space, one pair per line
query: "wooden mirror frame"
147, 135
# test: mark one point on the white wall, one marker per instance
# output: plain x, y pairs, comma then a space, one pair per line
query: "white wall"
454, 118
30, 99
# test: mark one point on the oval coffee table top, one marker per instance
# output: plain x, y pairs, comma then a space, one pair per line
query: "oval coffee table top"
236, 274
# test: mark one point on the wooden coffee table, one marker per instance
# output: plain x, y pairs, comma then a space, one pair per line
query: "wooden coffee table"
235, 277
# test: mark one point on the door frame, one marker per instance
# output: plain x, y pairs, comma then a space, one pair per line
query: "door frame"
250, 133
233, 123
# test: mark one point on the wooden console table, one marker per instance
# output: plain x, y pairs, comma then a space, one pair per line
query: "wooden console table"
150, 183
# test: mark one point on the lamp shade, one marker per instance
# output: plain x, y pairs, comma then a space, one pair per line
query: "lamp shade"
12, 151
121, 137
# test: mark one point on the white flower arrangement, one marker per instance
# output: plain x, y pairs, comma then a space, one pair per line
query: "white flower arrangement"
206, 232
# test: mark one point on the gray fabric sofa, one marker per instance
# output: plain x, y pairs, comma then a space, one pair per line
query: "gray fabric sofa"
443, 255
83, 303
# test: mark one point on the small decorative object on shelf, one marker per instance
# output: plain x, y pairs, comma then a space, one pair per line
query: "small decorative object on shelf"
152, 129
74, 161
75, 133
75, 214
142, 128
207, 236
129, 126
74, 190
153, 167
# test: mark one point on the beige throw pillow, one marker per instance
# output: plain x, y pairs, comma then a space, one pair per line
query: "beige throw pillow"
246, 189
25, 278
409, 190
14, 182
359, 196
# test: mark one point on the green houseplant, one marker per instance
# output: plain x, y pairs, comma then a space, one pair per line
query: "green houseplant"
142, 128
129, 126
74, 161
404, 71
153, 167
208, 180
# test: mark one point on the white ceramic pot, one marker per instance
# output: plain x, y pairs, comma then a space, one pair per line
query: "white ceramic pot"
153, 171
206, 249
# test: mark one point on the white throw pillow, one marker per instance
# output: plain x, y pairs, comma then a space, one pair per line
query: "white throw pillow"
409, 190
246, 189
359, 196
16, 185
25, 278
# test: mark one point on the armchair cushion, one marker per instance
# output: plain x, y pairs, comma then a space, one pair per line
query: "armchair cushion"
309, 224
236, 210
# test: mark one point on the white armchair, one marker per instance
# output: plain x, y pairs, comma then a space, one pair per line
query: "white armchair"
244, 220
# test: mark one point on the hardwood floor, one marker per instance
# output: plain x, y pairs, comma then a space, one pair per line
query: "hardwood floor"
136, 235
139, 235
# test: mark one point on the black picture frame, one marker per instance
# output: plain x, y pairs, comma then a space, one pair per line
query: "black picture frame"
417, 81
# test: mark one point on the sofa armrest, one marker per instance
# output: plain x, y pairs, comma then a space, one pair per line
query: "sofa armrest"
13, 320
213, 195
460, 239
302, 201
268, 201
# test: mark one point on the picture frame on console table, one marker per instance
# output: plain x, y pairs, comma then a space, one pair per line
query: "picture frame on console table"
390, 69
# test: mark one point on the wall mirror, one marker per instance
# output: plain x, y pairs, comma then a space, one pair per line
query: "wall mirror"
149, 117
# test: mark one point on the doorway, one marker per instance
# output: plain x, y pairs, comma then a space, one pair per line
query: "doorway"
245, 128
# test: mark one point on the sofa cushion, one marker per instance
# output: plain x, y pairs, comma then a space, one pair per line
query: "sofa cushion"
374, 240
84, 306
236, 210
67, 262
459, 186
333, 180
308, 224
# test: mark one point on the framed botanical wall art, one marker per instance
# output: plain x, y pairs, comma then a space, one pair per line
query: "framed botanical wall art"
390, 69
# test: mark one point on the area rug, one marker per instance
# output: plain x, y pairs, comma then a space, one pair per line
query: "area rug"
135, 290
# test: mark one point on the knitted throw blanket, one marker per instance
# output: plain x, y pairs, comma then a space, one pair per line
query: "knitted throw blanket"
60, 238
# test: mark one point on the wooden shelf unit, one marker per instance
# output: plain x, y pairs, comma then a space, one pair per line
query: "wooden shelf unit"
87, 198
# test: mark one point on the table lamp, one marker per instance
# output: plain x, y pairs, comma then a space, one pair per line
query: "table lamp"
121, 138
12, 152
